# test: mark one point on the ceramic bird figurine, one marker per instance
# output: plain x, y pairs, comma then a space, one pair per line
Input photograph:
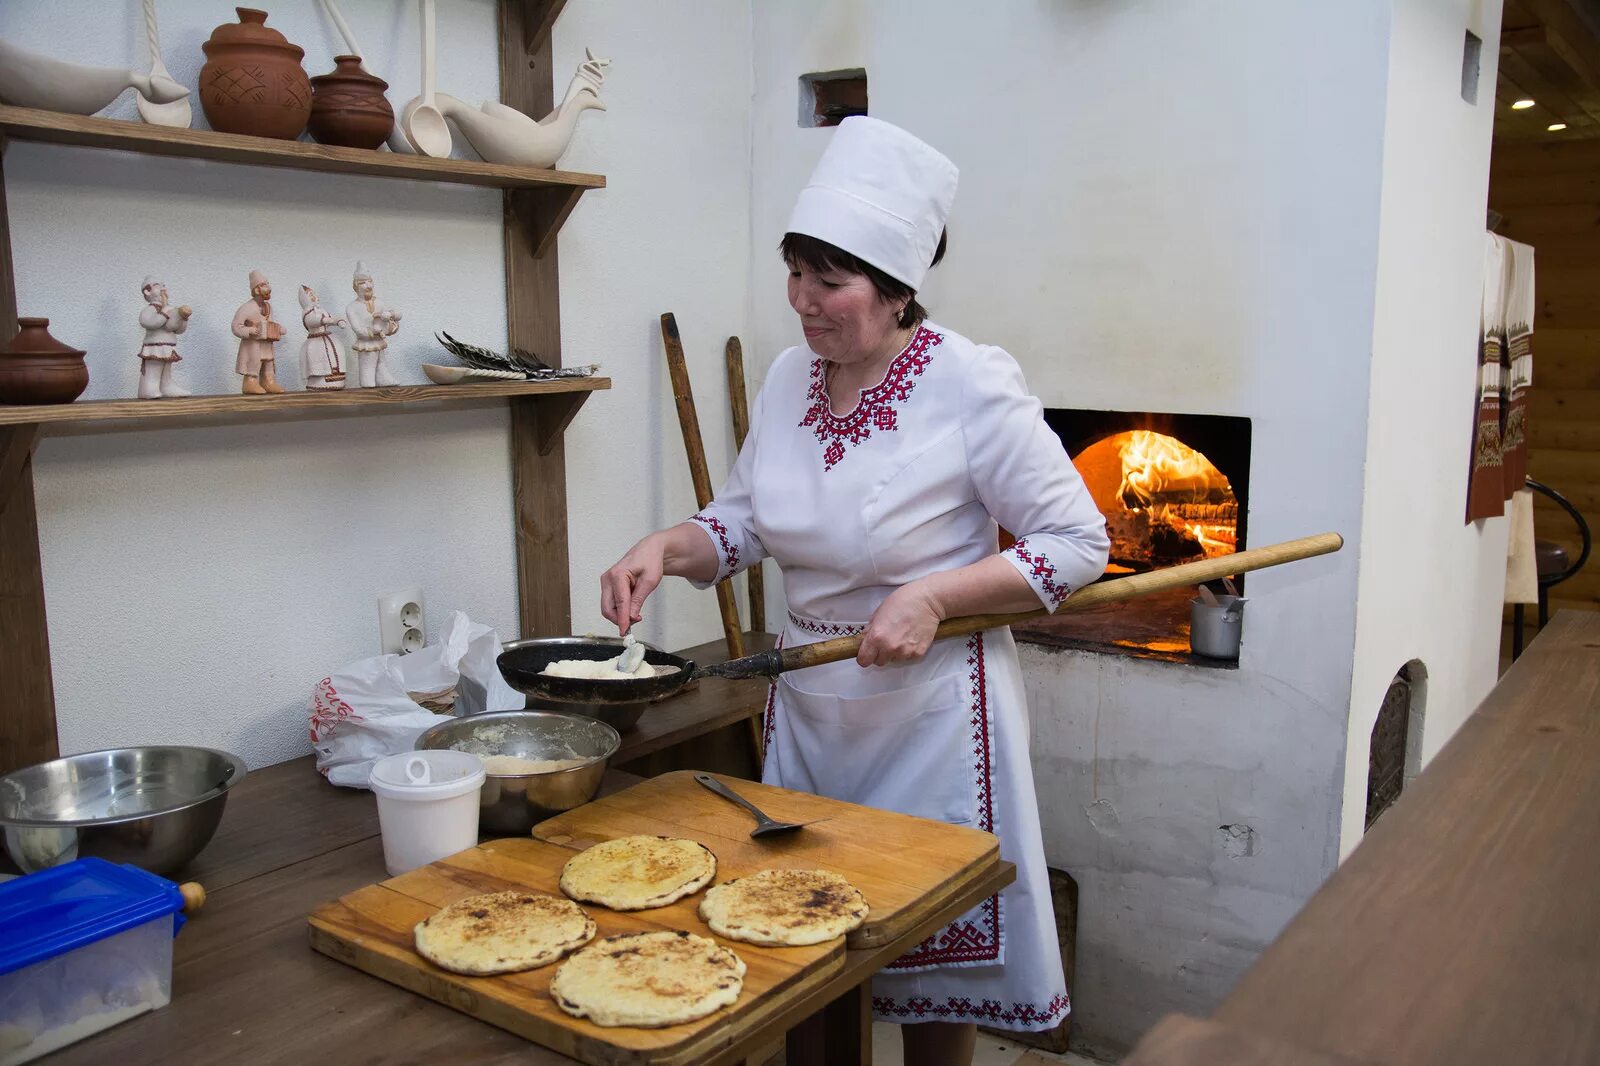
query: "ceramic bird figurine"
502, 134
28, 79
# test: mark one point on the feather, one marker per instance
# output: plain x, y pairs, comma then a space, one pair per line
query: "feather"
518, 360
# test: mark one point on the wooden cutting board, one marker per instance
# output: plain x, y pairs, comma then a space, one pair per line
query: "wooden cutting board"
905, 866
371, 929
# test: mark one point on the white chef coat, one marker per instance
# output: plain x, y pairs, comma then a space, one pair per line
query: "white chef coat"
908, 483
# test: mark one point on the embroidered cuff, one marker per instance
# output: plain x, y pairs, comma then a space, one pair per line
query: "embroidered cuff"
1040, 572
727, 550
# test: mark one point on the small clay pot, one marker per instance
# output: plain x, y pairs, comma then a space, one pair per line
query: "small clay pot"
36, 368
348, 106
252, 82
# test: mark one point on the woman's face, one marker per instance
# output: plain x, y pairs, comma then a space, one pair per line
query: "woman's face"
844, 318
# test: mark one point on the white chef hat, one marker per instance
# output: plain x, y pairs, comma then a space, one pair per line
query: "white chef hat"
880, 194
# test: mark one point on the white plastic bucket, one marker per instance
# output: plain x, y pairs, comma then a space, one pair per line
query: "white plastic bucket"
427, 805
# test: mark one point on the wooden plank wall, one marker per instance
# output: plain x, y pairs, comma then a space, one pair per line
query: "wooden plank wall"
1549, 194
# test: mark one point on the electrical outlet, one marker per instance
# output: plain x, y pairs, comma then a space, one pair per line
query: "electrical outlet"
401, 622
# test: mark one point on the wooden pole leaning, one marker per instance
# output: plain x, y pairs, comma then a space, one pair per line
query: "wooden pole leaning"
755, 581
699, 472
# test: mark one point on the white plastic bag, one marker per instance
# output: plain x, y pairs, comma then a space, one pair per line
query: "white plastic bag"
362, 712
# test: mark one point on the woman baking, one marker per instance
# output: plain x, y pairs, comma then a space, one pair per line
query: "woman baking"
880, 457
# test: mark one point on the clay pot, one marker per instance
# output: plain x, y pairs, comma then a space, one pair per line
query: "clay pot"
36, 368
252, 82
348, 106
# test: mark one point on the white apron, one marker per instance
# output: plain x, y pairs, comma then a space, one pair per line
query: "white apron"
911, 482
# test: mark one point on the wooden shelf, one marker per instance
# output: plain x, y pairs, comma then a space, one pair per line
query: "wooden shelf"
542, 199
575, 390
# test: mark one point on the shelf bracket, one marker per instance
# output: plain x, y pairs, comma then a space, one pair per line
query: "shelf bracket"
16, 450
541, 212
554, 414
538, 19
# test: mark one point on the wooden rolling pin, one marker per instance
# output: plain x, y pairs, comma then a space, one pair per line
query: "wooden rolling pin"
773, 663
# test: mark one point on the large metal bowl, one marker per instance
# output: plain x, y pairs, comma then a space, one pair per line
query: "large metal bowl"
513, 803
154, 807
519, 658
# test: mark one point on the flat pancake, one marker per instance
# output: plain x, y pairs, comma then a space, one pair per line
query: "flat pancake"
502, 932
639, 872
784, 908
648, 979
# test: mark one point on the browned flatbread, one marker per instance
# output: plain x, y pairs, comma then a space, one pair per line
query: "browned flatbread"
648, 980
784, 908
502, 932
636, 873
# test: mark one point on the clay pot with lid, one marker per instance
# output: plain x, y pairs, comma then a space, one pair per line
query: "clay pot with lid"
348, 106
252, 82
35, 368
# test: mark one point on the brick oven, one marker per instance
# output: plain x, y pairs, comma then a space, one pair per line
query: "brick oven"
1174, 489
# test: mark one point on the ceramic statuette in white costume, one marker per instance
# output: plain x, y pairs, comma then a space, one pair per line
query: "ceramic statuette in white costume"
162, 324
320, 355
372, 322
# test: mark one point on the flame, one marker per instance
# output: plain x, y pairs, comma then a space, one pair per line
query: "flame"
1162, 475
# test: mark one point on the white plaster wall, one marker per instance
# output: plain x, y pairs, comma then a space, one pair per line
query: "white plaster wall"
200, 580
1430, 583
1174, 207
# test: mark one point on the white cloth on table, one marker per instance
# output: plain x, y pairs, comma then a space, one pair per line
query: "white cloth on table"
910, 482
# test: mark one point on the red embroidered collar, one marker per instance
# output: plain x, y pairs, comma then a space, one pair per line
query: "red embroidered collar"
875, 409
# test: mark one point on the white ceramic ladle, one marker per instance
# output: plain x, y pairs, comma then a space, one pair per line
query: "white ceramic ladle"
179, 113
422, 123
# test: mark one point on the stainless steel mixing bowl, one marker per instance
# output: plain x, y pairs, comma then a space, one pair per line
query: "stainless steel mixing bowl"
154, 807
620, 716
513, 803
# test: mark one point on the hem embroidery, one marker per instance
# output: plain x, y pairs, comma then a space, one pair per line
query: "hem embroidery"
875, 409
1043, 570
730, 551
1017, 1015
825, 629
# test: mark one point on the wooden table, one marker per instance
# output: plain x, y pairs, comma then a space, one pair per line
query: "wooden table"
248, 988
1466, 927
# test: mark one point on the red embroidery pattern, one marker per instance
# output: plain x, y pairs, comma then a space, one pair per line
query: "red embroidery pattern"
328, 710
825, 629
875, 410
1029, 1015
730, 551
1042, 569
965, 940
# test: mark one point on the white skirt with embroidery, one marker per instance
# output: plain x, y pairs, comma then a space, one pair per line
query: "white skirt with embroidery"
946, 738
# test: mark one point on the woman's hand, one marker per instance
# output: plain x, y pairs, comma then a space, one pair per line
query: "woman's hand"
901, 629
625, 587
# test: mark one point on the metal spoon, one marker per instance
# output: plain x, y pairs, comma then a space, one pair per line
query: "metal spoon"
764, 826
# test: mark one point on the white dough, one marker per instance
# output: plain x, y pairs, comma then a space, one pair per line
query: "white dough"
600, 670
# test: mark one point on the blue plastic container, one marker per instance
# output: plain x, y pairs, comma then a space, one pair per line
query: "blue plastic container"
83, 946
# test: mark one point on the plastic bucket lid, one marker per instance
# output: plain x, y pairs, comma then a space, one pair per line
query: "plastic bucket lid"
427, 775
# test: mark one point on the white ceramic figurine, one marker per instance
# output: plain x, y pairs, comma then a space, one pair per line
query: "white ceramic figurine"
373, 322
320, 355
162, 323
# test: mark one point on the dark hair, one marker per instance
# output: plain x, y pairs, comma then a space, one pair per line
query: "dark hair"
799, 250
